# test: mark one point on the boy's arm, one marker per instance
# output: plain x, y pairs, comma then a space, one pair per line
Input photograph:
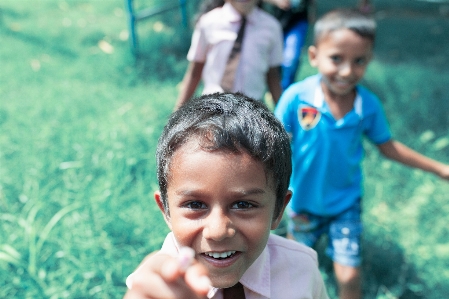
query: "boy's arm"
397, 151
274, 83
164, 276
190, 82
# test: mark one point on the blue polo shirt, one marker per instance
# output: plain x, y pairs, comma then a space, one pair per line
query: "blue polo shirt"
327, 154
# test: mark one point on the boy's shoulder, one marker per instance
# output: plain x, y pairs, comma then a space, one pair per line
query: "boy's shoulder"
213, 15
282, 248
265, 18
371, 103
310, 82
294, 270
259, 17
303, 90
365, 93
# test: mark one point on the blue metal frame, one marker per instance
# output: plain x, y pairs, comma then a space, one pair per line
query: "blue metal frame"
134, 17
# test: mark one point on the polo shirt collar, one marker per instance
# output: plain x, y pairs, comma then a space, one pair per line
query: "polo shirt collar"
318, 101
232, 15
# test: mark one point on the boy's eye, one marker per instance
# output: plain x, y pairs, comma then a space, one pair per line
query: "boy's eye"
195, 205
242, 205
336, 58
361, 61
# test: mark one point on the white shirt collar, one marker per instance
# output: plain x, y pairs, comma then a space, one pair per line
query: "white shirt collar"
257, 278
318, 101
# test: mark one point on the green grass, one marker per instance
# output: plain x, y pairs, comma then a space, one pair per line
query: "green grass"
78, 133
80, 118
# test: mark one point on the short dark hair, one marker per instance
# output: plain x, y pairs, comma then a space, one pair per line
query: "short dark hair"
351, 19
228, 122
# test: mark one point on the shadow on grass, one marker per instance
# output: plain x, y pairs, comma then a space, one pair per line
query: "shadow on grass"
39, 42
386, 272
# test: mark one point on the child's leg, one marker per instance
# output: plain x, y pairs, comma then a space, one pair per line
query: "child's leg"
349, 281
294, 40
305, 228
344, 249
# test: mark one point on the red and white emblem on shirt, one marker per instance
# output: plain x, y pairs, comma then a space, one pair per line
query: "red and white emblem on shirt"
308, 117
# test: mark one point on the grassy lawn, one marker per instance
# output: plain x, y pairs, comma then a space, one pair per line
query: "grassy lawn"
80, 118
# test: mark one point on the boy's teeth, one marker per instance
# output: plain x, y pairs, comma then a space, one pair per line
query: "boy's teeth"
222, 255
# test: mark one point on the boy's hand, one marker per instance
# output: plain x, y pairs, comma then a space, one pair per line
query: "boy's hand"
444, 172
163, 276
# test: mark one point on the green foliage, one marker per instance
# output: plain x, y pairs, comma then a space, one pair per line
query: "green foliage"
79, 121
77, 171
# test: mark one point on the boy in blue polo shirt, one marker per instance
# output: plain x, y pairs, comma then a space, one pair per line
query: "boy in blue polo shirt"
327, 116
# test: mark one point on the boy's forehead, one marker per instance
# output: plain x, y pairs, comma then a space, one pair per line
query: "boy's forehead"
197, 144
337, 34
205, 144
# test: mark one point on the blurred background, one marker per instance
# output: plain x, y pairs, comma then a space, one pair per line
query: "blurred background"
81, 110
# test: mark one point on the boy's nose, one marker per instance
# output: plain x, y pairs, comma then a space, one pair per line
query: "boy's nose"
345, 69
218, 226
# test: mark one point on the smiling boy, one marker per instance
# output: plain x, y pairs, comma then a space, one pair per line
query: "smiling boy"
327, 116
224, 164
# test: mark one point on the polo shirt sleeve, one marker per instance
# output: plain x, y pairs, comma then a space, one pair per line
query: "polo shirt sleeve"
285, 109
377, 129
198, 47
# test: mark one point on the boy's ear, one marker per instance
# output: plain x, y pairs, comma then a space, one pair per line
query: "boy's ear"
278, 219
312, 55
160, 204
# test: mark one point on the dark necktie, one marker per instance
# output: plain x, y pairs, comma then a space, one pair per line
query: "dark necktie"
235, 292
227, 81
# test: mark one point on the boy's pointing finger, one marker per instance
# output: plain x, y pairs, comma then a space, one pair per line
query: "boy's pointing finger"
164, 276
196, 278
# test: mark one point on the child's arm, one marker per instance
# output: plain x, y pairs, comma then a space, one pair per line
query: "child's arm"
190, 82
397, 151
164, 276
274, 83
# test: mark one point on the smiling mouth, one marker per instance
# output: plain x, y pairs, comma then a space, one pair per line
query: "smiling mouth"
343, 82
220, 255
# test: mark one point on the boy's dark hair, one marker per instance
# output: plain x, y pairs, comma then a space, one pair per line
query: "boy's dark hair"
229, 122
351, 19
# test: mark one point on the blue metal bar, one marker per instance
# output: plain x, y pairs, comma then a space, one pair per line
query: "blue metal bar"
133, 17
131, 25
183, 5
149, 12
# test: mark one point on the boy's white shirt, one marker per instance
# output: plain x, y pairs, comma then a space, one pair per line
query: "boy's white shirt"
303, 280
213, 39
